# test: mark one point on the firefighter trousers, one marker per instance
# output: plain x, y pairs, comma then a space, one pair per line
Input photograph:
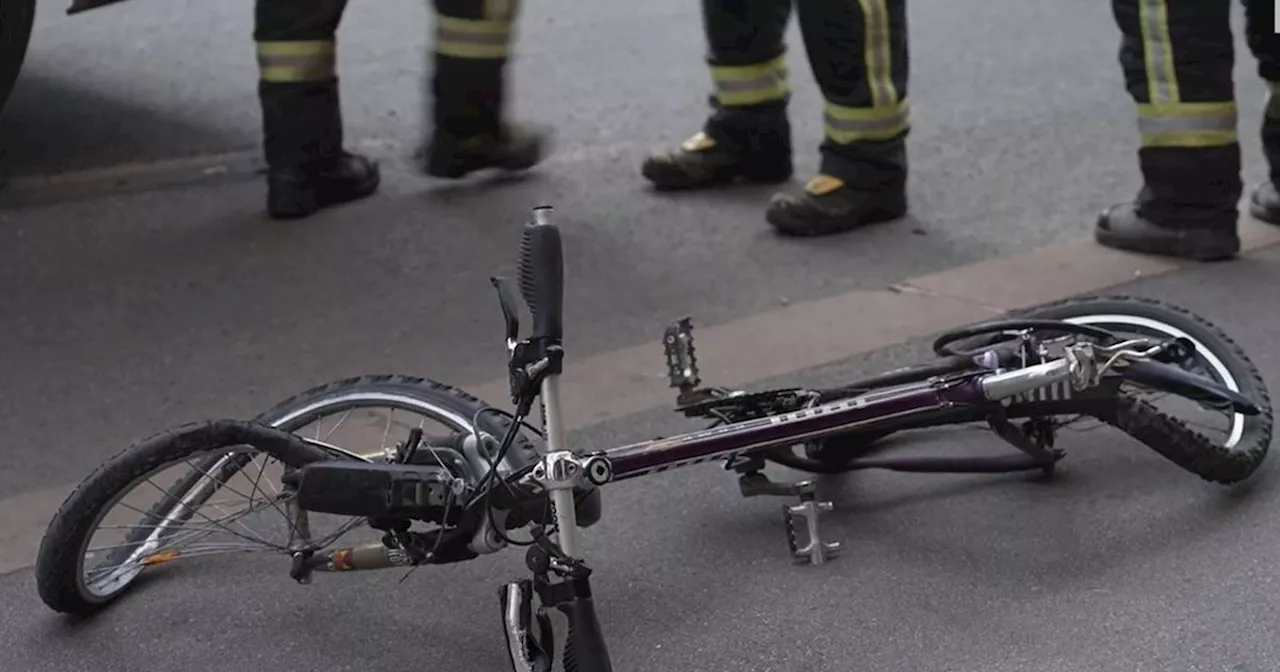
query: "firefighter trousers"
858, 53
1178, 59
298, 80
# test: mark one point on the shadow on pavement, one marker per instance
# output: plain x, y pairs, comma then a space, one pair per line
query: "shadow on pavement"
53, 124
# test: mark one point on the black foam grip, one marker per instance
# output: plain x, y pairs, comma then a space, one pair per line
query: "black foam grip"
584, 648
542, 279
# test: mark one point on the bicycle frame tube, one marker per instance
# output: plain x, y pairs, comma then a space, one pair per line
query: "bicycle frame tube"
639, 459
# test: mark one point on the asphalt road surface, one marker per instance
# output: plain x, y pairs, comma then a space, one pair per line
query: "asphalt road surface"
137, 298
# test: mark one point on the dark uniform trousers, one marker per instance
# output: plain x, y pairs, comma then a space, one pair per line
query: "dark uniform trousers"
1178, 57
858, 53
298, 82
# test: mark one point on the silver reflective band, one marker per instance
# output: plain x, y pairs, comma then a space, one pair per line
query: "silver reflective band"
1158, 54
761, 83
1188, 124
885, 125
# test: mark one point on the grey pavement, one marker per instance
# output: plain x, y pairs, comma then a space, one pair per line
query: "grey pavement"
132, 311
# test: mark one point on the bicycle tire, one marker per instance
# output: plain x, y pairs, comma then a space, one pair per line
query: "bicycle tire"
464, 406
1225, 463
1166, 435
58, 577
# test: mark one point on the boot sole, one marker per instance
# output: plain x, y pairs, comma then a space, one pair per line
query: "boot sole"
787, 226
455, 169
1263, 214
1193, 245
318, 203
661, 182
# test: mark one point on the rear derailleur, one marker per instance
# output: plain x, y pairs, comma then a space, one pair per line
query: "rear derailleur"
693, 401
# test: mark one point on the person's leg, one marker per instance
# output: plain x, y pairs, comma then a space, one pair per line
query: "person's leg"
1177, 57
467, 87
1264, 203
747, 137
301, 113
858, 51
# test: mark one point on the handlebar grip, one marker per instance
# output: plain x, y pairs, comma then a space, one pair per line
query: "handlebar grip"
542, 275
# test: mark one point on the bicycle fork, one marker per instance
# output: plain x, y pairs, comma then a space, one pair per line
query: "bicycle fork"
562, 632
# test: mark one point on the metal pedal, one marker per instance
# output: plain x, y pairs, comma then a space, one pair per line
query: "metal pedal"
815, 551
682, 363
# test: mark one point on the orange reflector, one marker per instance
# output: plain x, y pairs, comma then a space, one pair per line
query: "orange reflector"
160, 558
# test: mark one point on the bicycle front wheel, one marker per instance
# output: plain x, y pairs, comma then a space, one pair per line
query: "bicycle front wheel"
1218, 445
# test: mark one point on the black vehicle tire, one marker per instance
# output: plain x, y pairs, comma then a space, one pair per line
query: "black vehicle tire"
1227, 462
16, 20
59, 580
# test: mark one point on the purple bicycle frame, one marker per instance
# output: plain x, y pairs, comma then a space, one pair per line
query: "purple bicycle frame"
647, 457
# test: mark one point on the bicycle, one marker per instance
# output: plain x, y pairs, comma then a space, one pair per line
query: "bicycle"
494, 473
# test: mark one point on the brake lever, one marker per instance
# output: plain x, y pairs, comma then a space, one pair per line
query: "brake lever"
507, 301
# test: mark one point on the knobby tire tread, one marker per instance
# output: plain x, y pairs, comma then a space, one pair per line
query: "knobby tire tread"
464, 402
1183, 446
1171, 437
1166, 435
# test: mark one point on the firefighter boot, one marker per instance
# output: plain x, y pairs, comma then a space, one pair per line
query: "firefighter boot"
301, 191
859, 184
733, 147
468, 88
1264, 202
307, 166
511, 147
1187, 207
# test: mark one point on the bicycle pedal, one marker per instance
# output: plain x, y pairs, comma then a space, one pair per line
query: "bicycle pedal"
814, 551
682, 363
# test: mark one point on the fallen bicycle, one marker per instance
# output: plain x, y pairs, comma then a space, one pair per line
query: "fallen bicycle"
492, 473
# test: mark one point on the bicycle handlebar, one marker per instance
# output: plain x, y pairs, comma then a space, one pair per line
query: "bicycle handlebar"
542, 276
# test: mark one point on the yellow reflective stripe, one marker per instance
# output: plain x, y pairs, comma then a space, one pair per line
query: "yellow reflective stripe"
1157, 52
751, 84
860, 124
1188, 124
877, 52
473, 38
297, 61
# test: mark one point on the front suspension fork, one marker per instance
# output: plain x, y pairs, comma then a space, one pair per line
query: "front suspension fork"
563, 633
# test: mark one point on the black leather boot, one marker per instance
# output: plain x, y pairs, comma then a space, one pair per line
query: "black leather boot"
1122, 227
307, 167
734, 146
301, 191
1187, 207
468, 129
828, 206
512, 147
